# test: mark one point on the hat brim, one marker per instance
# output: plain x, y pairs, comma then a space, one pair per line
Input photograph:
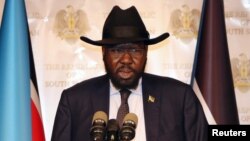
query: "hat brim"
115, 41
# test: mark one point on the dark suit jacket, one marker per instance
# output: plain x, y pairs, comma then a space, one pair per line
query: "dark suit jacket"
175, 115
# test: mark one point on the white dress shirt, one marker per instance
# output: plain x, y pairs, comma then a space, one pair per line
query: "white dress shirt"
135, 102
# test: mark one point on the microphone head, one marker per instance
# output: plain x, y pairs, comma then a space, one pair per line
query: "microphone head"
127, 131
113, 125
98, 129
100, 115
131, 118
112, 130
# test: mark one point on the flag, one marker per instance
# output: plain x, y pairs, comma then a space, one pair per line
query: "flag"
19, 107
212, 76
37, 126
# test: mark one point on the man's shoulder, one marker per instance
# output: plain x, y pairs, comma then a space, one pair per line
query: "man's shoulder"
89, 83
161, 79
170, 87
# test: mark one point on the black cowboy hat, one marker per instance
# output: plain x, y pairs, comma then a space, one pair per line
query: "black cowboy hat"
124, 26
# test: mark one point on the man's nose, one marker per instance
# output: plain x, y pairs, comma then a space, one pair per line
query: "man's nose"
126, 58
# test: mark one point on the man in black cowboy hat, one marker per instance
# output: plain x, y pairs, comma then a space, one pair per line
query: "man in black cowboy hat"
167, 109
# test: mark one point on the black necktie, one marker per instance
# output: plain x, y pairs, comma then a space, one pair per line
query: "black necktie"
124, 109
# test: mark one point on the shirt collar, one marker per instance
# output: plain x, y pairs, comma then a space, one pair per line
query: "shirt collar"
137, 90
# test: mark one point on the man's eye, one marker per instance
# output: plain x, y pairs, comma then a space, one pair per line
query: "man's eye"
133, 50
136, 50
116, 50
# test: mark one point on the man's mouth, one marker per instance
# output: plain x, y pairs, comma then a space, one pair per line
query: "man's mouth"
125, 73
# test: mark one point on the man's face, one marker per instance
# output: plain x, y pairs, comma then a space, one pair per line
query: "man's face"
125, 63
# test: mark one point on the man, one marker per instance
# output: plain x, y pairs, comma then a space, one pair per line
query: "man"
167, 109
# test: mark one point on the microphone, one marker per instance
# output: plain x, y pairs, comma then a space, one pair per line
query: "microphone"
112, 130
127, 131
98, 129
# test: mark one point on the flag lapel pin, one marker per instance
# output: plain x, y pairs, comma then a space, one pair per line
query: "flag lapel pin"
151, 99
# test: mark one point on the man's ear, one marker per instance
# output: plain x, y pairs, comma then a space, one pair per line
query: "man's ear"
146, 48
103, 51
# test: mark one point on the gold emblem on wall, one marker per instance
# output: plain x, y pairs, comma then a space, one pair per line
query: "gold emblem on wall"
184, 22
241, 72
70, 24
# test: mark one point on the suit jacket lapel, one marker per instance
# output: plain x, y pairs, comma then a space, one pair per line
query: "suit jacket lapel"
100, 99
151, 103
